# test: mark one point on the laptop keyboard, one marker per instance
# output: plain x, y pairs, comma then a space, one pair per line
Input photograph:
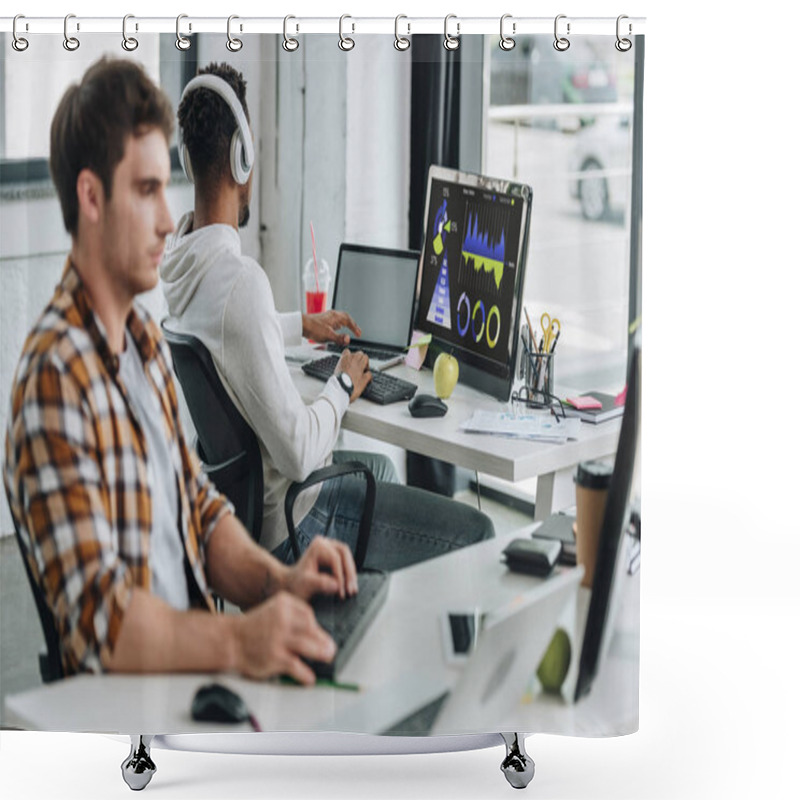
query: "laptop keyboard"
382, 389
372, 353
347, 620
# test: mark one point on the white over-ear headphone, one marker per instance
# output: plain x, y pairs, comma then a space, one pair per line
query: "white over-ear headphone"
242, 154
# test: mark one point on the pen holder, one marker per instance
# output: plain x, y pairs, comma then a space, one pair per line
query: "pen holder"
538, 376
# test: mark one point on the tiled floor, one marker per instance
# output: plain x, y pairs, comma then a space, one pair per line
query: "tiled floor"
21, 638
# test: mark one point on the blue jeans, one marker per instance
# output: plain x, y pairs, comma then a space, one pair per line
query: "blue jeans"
409, 525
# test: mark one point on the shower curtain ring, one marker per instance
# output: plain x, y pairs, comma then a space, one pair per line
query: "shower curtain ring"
128, 42
452, 42
290, 44
346, 42
623, 45
401, 42
71, 43
181, 41
233, 44
561, 43
19, 43
507, 42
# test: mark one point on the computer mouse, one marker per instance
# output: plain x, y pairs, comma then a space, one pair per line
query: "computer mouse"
216, 703
426, 405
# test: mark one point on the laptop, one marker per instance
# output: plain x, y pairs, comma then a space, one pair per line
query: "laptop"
376, 287
492, 682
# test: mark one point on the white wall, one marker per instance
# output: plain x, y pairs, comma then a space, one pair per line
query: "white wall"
302, 159
378, 144
335, 151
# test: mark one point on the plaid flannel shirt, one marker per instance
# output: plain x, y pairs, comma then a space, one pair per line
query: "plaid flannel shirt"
76, 474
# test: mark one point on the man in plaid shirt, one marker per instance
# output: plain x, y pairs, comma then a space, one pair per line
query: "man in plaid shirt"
123, 532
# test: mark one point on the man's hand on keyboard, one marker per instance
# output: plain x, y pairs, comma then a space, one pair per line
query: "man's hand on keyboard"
323, 327
356, 365
274, 637
326, 567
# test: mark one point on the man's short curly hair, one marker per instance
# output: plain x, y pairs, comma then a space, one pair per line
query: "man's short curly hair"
207, 124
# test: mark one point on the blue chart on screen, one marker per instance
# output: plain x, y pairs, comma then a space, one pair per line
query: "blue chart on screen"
439, 310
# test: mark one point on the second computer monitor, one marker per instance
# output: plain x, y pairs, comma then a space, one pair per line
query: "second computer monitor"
470, 280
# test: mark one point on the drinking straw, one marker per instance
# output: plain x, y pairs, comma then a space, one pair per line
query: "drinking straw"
314, 252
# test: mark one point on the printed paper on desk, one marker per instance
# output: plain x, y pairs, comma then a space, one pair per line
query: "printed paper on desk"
418, 349
543, 428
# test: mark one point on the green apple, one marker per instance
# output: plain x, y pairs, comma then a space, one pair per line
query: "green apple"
445, 375
555, 662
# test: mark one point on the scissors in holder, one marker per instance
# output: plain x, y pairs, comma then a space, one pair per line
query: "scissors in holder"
551, 327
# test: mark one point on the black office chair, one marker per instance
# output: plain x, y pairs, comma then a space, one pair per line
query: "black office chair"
50, 666
229, 450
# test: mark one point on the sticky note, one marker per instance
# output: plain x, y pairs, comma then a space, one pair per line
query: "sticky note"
586, 401
417, 350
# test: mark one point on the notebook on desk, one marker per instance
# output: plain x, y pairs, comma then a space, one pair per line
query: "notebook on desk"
375, 286
603, 409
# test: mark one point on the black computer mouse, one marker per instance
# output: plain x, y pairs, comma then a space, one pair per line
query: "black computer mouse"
426, 405
216, 703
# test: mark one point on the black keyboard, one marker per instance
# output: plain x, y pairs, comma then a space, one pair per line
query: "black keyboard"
372, 353
347, 620
382, 389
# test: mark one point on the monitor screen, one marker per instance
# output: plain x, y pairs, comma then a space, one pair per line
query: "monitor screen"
610, 546
470, 280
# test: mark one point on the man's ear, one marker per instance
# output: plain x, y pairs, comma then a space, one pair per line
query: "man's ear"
91, 196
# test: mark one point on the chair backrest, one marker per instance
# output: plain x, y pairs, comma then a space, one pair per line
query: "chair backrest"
50, 666
226, 443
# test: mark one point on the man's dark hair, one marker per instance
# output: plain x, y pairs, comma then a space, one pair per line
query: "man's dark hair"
115, 99
207, 125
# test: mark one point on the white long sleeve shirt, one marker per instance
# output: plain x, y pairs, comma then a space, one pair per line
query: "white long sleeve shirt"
225, 299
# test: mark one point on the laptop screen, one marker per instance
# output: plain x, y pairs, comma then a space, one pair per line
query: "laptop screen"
376, 287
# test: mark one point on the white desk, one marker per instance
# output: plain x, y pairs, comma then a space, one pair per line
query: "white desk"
510, 459
403, 643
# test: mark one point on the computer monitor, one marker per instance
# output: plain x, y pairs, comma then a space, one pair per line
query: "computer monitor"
610, 552
471, 272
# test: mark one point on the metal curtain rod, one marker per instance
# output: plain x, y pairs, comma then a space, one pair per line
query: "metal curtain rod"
452, 25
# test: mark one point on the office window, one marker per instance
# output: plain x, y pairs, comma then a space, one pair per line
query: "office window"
30, 89
562, 122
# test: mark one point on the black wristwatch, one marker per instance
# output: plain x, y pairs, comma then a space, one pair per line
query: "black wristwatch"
346, 382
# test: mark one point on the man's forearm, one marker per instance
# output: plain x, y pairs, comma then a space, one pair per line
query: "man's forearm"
154, 637
238, 569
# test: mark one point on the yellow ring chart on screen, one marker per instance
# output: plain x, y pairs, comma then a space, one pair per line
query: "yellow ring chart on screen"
550, 328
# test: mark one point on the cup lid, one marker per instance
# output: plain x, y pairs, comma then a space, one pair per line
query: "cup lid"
594, 474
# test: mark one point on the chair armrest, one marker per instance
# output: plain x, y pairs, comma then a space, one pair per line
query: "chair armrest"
325, 474
227, 471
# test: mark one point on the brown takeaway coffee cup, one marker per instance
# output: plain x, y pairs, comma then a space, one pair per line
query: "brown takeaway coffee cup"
592, 480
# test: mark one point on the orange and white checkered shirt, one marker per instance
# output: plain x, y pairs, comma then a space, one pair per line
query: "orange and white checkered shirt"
76, 474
